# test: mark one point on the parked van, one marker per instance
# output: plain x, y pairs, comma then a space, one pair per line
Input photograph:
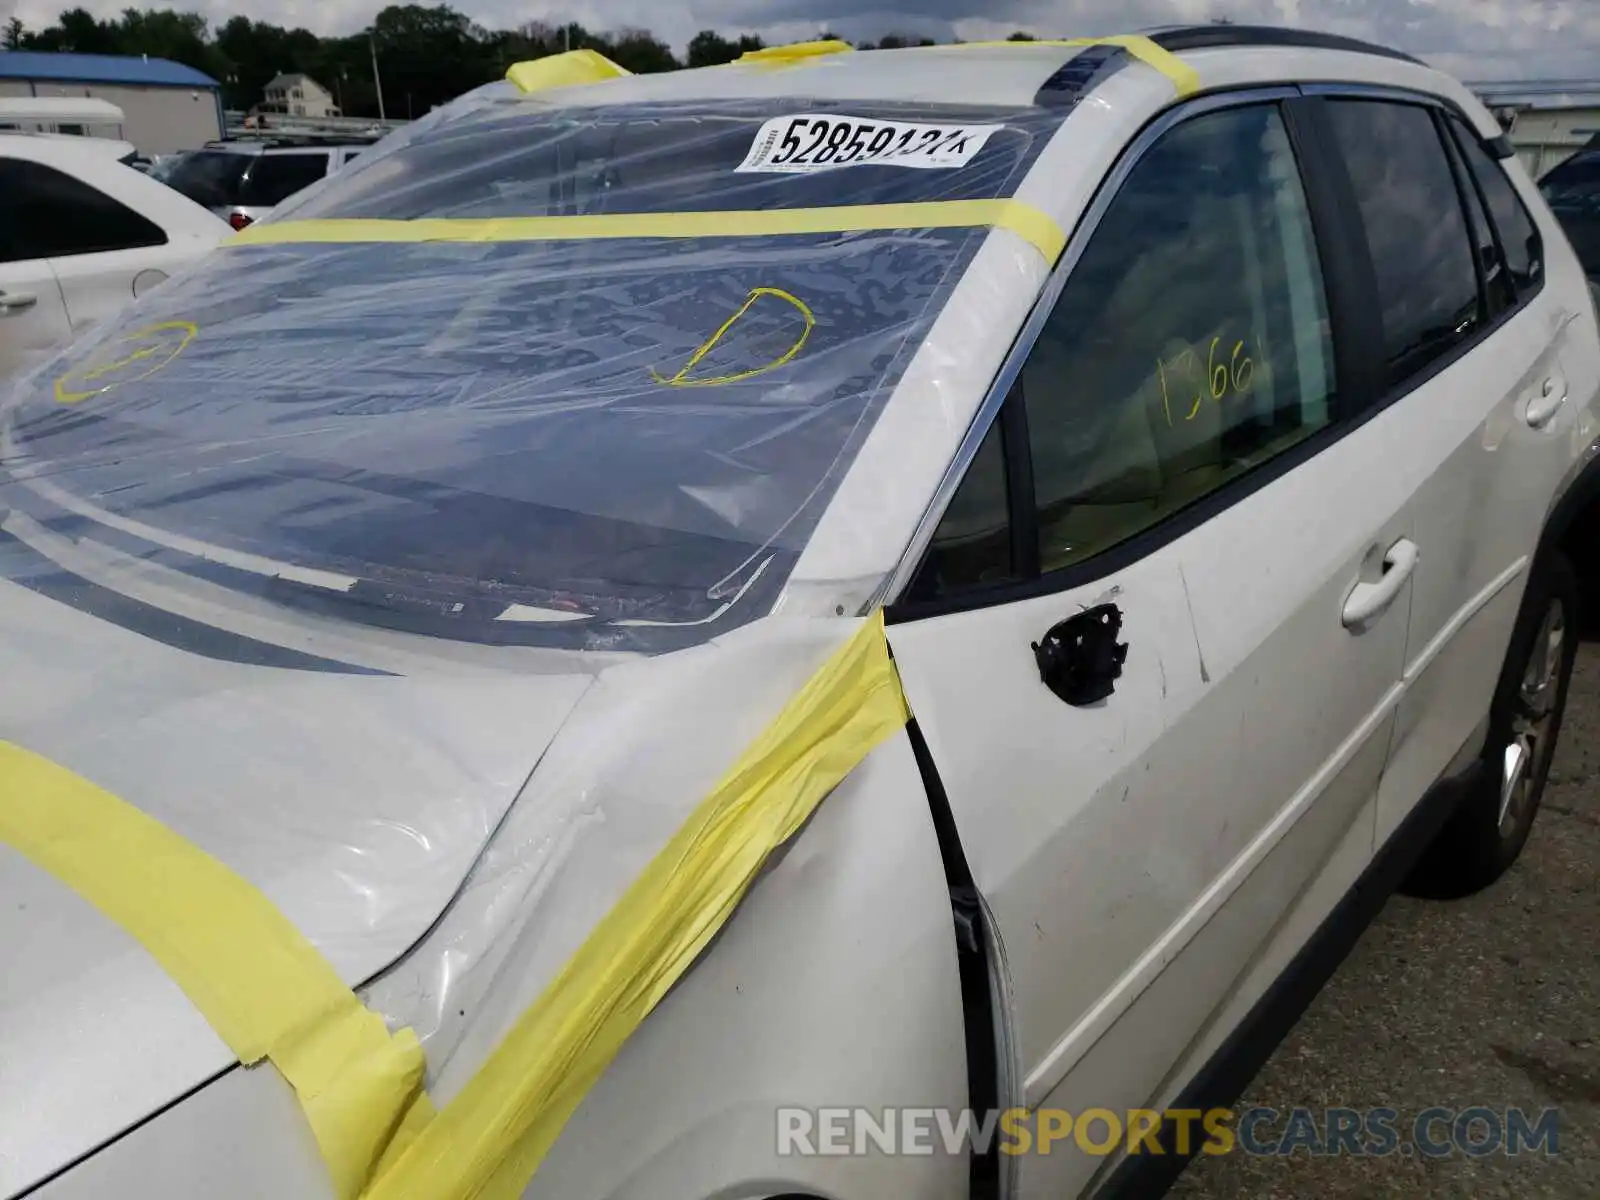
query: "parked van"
78, 115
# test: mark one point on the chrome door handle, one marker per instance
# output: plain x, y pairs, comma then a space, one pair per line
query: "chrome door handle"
12, 303
1543, 408
1368, 600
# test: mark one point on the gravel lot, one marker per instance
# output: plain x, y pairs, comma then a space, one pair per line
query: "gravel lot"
1491, 1001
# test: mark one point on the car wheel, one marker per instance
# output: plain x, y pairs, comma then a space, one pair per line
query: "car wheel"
1487, 832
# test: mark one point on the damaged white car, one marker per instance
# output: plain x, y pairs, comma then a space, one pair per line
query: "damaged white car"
1209, 418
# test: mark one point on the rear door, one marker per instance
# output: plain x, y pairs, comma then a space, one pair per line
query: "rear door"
33, 315
1175, 447
1471, 335
102, 252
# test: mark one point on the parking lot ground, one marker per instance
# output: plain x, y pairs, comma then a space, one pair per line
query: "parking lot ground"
1491, 1001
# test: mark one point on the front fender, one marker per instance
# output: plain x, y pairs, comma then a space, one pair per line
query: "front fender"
835, 984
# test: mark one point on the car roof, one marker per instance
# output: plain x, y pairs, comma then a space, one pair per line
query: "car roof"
979, 73
100, 168
109, 147
69, 152
286, 146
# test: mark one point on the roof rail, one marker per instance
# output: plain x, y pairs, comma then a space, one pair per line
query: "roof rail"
1180, 38
277, 141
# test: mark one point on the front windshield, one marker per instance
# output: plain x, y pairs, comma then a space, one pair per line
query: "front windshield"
601, 443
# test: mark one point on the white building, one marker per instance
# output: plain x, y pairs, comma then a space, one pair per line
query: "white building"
1547, 122
299, 96
166, 105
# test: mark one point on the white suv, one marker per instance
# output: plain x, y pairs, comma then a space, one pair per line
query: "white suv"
1206, 422
242, 181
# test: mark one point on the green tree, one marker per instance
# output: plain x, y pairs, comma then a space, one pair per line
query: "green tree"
76, 31
709, 48
639, 51
427, 53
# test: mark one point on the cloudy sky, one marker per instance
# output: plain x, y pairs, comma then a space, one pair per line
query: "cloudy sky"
1478, 39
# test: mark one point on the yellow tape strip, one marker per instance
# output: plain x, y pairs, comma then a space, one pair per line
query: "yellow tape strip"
1185, 79
269, 994
570, 69
1037, 228
490, 1140
261, 985
794, 54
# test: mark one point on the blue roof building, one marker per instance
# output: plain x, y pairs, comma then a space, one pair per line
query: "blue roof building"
168, 106
142, 71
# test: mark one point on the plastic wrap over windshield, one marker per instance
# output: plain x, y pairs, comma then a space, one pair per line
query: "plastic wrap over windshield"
597, 443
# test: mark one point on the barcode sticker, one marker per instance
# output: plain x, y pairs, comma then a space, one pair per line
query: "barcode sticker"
810, 142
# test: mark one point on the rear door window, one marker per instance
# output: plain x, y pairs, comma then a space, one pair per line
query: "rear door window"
1416, 230
46, 213
210, 177
276, 177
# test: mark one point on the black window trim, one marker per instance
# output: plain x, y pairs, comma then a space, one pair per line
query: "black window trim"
129, 209
1393, 392
1350, 286
1523, 295
1468, 189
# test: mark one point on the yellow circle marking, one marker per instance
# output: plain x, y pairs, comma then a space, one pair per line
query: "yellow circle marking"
139, 355
683, 379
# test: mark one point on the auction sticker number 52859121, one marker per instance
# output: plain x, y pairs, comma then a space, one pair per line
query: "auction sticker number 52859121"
812, 142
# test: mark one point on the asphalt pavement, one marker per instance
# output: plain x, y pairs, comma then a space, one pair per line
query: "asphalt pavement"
1492, 1002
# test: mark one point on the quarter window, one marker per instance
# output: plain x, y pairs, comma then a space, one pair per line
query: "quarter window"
1519, 236
1190, 345
1416, 230
1500, 293
45, 213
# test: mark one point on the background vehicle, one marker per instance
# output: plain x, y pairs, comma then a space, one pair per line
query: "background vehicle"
426, 584
242, 181
81, 236
1573, 192
76, 116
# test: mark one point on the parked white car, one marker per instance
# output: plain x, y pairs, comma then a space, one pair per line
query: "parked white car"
1211, 419
81, 236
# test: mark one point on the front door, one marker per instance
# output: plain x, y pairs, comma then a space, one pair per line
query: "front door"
1174, 448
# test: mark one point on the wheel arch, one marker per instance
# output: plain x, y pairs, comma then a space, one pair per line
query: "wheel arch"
1573, 530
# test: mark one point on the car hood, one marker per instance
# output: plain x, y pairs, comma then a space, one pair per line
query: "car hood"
357, 801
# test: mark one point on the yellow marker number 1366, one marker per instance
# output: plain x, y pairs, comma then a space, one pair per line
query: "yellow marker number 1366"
1222, 378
